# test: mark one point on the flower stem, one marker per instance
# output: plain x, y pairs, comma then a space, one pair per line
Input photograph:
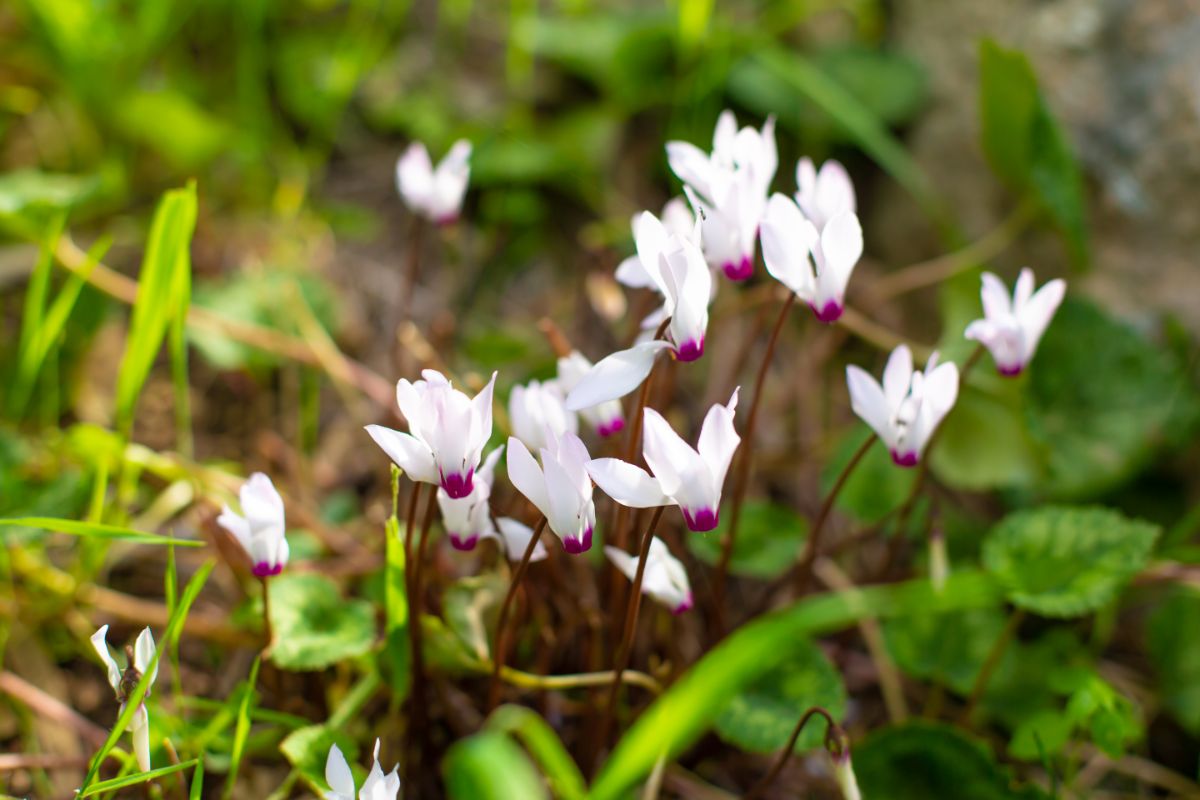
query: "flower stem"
804, 564
417, 728
266, 598
742, 477
502, 623
631, 615
833, 734
413, 266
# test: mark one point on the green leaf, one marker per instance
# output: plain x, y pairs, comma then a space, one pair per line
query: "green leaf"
682, 713
1066, 562
923, 760
876, 488
138, 778
1100, 413
165, 279
763, 715
314, 626
183, 132
242, 729
769, 537
307, 748
1174, 649
983, 443
489, 766
95, 530
947, 649
1044, 733
546, 748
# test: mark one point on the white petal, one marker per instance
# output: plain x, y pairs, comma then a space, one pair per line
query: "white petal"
414, 177
719, 439
515, 536
869, 403
143, 653
565, 501
652, 241
1036, 314
633, 274
835, 190
100, 645
409, 453
624, 562
691, 165
994, 294
1023, 290
787, 239
338, 775
139, 731
526, 475
615, 375
677, 218
261, 503
841, 247
693, 283
897, 376
668, 456
626, 483
236, 525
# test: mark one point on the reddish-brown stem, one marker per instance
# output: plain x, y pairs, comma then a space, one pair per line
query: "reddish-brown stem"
266, 598
742, 476
498, 651
417, 724
834, 738
413, 267
631, 616
812, 544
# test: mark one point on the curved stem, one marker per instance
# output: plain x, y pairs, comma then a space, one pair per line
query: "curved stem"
266, 597
502, 623
812, 543
742, 479
581, 680
833, 733
631, 615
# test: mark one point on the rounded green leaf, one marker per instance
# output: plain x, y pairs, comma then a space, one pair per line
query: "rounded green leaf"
1066, 562
490, 766
769, 538
948, 648
314, 626
761, 718
1175, 651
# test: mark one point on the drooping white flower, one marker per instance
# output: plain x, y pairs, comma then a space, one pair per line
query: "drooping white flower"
537, 414
469, 518
446, 432
1012, 328
664, 577
606, 417
435, 194
260, 528
515, 536
825, 194
688, 477
677, 219
377, 786
560, 488
123, 683
814, 263
908, 407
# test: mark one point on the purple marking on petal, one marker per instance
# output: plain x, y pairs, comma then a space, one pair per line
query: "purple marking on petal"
702, 521
466, 544
908, 459
690, 350
1010, 371
265, 569
457, 485
446, 220
685, 606
739, 271
577, 546
830, 312
612, 426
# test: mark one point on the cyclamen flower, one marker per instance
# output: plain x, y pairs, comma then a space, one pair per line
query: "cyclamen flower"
447, 432
469, 518
825, 194
435, 194
123, 683
1011, 329
560, 488
537, 414
515, 536
690, 478
664, 577
377, 786
261, 531
815, 264
606, 417
908, 407
678, 220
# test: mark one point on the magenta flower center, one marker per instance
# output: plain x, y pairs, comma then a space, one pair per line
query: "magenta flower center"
607, 429
264, 569
458, 485
830, 312
690, 350
738, 270
700, 521
908, 459
577, 546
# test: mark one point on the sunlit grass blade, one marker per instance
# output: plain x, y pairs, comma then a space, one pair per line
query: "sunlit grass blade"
489, 766
242, 729
197, 792
28, 357
140, 777
545, 747
135, 698
689, 707
95, 530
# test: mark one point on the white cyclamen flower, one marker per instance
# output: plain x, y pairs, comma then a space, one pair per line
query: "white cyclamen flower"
664, 578
688, 477
537, 414
560, 488
377, 786
606, 417
446, 432
678, 220
123, 683
515, 536
815, 264
825, 194
1011, 329
908, 407
469, 518
435, 194
260, 528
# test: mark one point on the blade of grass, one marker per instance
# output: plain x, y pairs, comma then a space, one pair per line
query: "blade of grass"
141, 777
95, 530
31, 317
242, 730
174, 624
197, 792
546, 748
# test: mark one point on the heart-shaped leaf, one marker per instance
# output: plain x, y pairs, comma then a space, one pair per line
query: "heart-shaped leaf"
314, 626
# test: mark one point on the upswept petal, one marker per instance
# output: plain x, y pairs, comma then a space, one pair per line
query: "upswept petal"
616, 375
236, 525
668, 456
515, 537
941, 389
1034, 317
841, 248
414, 176
652, 241
100, 645
719, 439
481, 417
1023, 290
996, 300
626, 483
897, 376
526, 475
632, 273
564, 512
143, 654
787, 240
409, 453
139, 731
338, 776
624, 562
692, 166
869, 403
261, 504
